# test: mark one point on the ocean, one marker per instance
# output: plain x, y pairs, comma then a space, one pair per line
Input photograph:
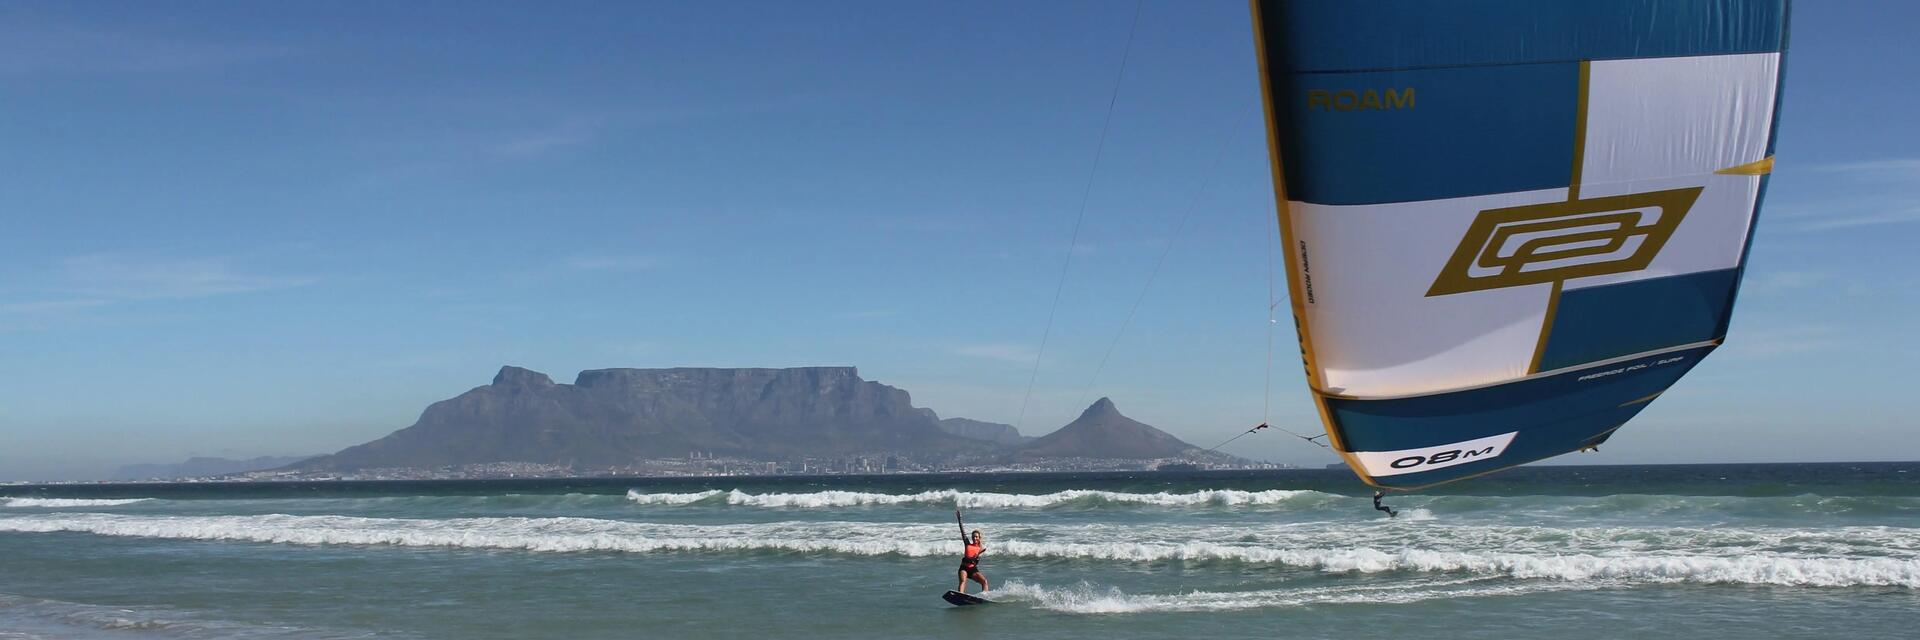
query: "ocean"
1694, 551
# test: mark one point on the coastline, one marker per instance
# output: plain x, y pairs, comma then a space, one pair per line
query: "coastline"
1323, 479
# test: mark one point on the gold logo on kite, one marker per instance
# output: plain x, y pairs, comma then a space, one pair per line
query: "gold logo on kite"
1540, 243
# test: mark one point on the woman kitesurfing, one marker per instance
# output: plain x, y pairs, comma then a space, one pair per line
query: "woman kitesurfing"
971, 548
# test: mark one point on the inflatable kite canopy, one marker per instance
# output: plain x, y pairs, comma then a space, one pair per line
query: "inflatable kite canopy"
1511, 224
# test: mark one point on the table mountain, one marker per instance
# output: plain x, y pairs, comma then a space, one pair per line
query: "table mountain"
611, 417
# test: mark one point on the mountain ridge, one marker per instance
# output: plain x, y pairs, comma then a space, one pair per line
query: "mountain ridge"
994, 432
611, 418
202, 466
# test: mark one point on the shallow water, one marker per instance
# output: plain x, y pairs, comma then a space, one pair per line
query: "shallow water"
1720, 551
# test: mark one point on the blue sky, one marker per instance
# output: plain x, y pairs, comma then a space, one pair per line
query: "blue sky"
244, 229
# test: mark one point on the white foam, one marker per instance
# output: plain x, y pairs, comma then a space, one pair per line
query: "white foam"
977, 500
1089, 599
1727, 556
66, 502
669, 498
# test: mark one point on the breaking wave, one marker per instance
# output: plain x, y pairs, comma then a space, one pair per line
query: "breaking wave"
978, 500
1784, 508
1650, 508
58, 503
1722, 556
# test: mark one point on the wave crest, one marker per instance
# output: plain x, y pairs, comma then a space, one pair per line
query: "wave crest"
1488, 552
982, 500
58, 503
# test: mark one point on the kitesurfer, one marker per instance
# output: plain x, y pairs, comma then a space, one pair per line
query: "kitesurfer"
1377, 495
970, 561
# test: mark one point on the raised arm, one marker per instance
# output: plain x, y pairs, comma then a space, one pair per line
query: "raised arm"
963, 526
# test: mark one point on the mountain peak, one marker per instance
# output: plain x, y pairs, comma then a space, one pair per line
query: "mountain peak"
515, 376
1099, 409
1101, 432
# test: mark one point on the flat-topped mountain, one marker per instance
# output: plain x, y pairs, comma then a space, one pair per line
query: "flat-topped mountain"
619, 416
1101, 432
628, 418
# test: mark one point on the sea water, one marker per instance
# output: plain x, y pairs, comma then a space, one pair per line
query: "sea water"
1701, 552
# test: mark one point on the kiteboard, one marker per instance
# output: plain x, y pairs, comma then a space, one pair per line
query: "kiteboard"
958, 599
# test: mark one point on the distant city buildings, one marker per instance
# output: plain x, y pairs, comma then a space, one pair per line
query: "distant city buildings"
698, 463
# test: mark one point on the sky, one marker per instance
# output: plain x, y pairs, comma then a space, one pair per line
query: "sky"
241, 229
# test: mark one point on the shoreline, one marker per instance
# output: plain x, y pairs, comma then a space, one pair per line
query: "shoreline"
1337, 479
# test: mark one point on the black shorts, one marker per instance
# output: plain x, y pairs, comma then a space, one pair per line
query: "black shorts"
970, 567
